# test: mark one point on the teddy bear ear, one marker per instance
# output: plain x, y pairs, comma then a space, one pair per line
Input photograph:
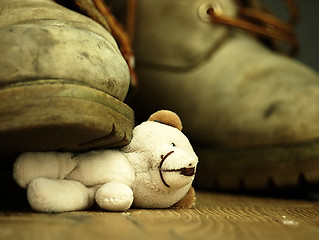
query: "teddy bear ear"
167, 117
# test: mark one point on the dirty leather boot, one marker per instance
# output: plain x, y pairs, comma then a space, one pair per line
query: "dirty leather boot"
63, 80
250, 112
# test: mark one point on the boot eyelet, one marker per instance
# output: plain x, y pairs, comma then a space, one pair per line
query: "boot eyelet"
203, 10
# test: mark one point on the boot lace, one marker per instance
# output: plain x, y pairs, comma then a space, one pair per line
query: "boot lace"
255, 18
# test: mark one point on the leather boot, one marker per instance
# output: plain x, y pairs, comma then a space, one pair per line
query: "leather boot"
250, 112
63, 80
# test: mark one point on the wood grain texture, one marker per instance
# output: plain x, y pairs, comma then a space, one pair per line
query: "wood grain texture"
216, 216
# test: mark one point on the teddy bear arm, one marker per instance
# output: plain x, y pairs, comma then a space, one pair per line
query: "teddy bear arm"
114, 196
188, 201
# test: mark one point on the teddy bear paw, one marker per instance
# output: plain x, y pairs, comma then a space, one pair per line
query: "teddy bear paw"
114, 196
57, 195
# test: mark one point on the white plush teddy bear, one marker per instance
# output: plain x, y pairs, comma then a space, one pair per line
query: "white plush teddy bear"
155, 170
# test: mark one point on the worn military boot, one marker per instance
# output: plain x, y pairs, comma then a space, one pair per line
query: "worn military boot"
62, 79
250, 112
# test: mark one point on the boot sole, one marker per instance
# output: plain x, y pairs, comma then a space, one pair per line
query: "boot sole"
46, 115
268, 167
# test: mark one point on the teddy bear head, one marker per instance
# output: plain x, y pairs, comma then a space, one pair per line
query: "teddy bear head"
161, 154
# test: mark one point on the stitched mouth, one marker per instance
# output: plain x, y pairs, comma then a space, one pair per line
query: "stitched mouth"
183, 171
160, 168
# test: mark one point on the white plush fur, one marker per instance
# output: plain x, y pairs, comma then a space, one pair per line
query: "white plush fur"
147, 173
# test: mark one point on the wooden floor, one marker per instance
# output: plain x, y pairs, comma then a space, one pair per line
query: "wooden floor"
216, 216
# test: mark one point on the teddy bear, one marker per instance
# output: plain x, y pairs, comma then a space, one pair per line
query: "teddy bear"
155, 170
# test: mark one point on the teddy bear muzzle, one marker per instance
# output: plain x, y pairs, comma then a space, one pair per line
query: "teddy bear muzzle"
188, 171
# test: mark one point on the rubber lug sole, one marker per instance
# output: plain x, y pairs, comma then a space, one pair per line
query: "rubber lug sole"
281, 166
46, 115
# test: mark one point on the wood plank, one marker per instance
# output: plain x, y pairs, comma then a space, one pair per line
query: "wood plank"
216, 216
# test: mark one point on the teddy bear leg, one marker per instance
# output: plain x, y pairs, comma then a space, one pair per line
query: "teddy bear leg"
114, 196
57, 195
31, 165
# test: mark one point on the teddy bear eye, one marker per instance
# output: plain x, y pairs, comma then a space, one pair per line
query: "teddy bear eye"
173, 144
